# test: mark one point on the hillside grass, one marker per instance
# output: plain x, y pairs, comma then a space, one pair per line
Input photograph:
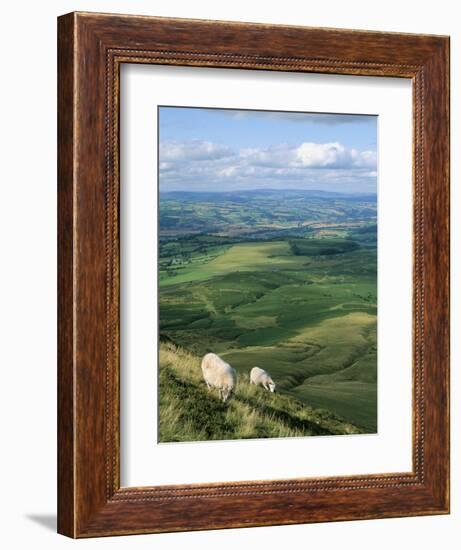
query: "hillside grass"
331, 365
311, 321
189, 412
283, 280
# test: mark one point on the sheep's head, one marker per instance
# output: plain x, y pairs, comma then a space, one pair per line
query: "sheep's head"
272, 387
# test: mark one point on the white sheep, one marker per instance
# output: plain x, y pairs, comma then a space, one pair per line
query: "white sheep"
219, 374
259, 377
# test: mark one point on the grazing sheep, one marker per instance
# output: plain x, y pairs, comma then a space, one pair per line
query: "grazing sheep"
260, 377
219, 374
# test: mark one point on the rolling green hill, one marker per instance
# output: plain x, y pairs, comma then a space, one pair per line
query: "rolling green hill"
284, 289
189, 412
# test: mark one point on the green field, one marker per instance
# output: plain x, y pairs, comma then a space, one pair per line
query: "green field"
285, 281
190, 413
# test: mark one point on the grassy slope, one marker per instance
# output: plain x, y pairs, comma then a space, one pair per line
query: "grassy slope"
188, 412
244, 257
311, 321
330, 365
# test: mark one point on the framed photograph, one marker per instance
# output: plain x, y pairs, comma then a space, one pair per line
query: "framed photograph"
253, 275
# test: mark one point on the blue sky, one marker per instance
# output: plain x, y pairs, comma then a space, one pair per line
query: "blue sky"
225, 149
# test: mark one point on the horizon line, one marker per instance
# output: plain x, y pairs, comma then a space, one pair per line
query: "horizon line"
270, 189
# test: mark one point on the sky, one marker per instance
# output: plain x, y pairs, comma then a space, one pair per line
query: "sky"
227, 149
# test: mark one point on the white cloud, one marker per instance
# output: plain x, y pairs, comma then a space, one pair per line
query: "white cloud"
333, 155
202, 164
310, 155
228, 171
182, 151
277, 155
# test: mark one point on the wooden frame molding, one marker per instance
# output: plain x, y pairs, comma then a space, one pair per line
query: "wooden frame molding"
91, 48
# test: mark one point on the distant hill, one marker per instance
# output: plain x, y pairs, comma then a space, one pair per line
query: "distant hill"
188, 412
265, 213
244, 195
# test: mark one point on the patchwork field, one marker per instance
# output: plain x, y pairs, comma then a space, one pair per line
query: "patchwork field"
282, 280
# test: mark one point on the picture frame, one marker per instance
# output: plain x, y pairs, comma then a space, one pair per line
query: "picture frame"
91, 49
